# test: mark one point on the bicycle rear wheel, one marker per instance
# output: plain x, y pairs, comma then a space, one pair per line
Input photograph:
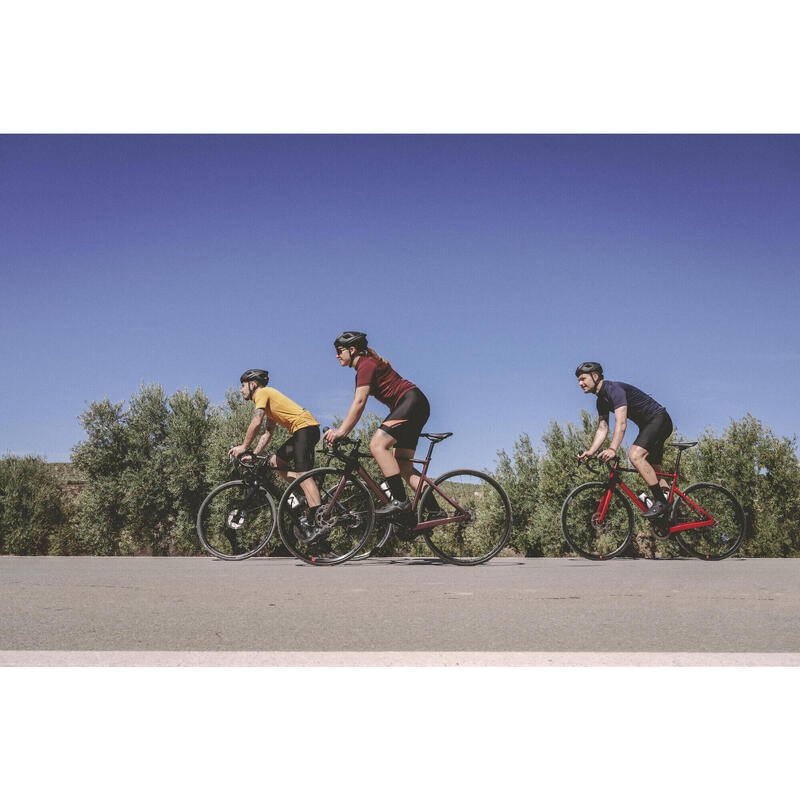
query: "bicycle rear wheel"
715, 541
589, 535
236, 520
347, 515
483, 532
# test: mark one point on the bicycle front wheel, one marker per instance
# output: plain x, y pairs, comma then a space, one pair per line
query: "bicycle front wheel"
381, 533
483, 513
721, 537
597, 521
236, 520
345, 517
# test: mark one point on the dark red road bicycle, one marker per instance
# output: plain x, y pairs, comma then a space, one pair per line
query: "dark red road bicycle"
706, 520
472, 526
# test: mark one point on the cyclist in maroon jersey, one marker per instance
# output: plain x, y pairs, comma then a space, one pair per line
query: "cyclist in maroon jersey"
395, 441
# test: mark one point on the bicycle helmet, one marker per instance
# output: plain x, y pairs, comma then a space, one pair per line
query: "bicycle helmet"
351, 339
589, 366
261, 376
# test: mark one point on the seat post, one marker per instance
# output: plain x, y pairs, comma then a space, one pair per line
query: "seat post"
678, 465
430, 451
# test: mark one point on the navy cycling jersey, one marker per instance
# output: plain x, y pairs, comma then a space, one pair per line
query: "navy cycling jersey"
641, 407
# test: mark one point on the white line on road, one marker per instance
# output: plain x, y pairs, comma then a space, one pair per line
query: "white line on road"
167, 658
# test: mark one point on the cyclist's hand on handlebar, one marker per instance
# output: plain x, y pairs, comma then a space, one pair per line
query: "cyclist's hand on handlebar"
607, 454
584, 456
236, 452
331, 435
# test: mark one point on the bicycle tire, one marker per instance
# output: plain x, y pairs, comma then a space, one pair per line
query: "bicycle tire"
584, 534
717, 541
350, 522
381, 533
236, 520
488, 529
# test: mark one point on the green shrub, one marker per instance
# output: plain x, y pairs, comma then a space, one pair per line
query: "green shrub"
33, 510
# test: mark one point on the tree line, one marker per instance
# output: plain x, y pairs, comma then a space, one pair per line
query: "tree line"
147, 466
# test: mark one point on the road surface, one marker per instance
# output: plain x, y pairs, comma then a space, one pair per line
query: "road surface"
398, 611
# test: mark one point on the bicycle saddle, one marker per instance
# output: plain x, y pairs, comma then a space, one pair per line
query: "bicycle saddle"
682, 445
436, 437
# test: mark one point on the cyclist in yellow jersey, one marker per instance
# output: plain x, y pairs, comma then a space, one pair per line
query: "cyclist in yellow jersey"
275, 408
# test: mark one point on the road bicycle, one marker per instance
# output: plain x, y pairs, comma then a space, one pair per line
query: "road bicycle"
471, 525
238, 518
706, 520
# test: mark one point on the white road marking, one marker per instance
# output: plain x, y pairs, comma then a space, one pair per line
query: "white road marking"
167, 658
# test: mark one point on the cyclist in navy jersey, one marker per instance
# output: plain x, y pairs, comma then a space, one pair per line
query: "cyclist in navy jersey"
395, 441
654, 423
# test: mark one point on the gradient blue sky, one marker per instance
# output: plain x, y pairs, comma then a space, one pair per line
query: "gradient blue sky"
484, 267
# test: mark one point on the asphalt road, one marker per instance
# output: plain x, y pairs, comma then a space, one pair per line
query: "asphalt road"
508, 606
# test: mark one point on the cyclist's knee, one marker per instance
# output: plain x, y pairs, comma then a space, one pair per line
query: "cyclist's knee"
637, 455
278, 463
380, 443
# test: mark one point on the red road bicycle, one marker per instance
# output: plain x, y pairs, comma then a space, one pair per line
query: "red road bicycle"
473, 526
706, 520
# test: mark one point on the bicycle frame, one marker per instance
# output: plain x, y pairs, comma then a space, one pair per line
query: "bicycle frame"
352, 465
615, 480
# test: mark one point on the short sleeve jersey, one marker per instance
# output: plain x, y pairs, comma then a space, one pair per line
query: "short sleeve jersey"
384, 383
615, 394
279, 408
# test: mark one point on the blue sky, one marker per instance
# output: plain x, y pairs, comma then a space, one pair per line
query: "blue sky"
484, 267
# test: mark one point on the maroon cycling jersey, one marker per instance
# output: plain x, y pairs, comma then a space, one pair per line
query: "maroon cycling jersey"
384, 383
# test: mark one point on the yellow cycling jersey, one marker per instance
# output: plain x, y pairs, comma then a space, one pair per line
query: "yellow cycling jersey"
279, 408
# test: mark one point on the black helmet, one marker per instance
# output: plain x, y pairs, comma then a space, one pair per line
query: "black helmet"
589, 366
351, 339
261, 376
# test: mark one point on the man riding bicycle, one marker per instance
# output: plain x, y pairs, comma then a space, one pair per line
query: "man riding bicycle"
276, 408
654, 423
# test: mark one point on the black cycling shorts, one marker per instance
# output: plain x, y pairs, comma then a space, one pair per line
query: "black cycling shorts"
299, 449
652, 436
413, 407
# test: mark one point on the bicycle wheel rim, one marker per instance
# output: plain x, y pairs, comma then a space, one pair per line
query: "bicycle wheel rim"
488, 510
713, 542
381, 533
590, 533
236, 521
349, 517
